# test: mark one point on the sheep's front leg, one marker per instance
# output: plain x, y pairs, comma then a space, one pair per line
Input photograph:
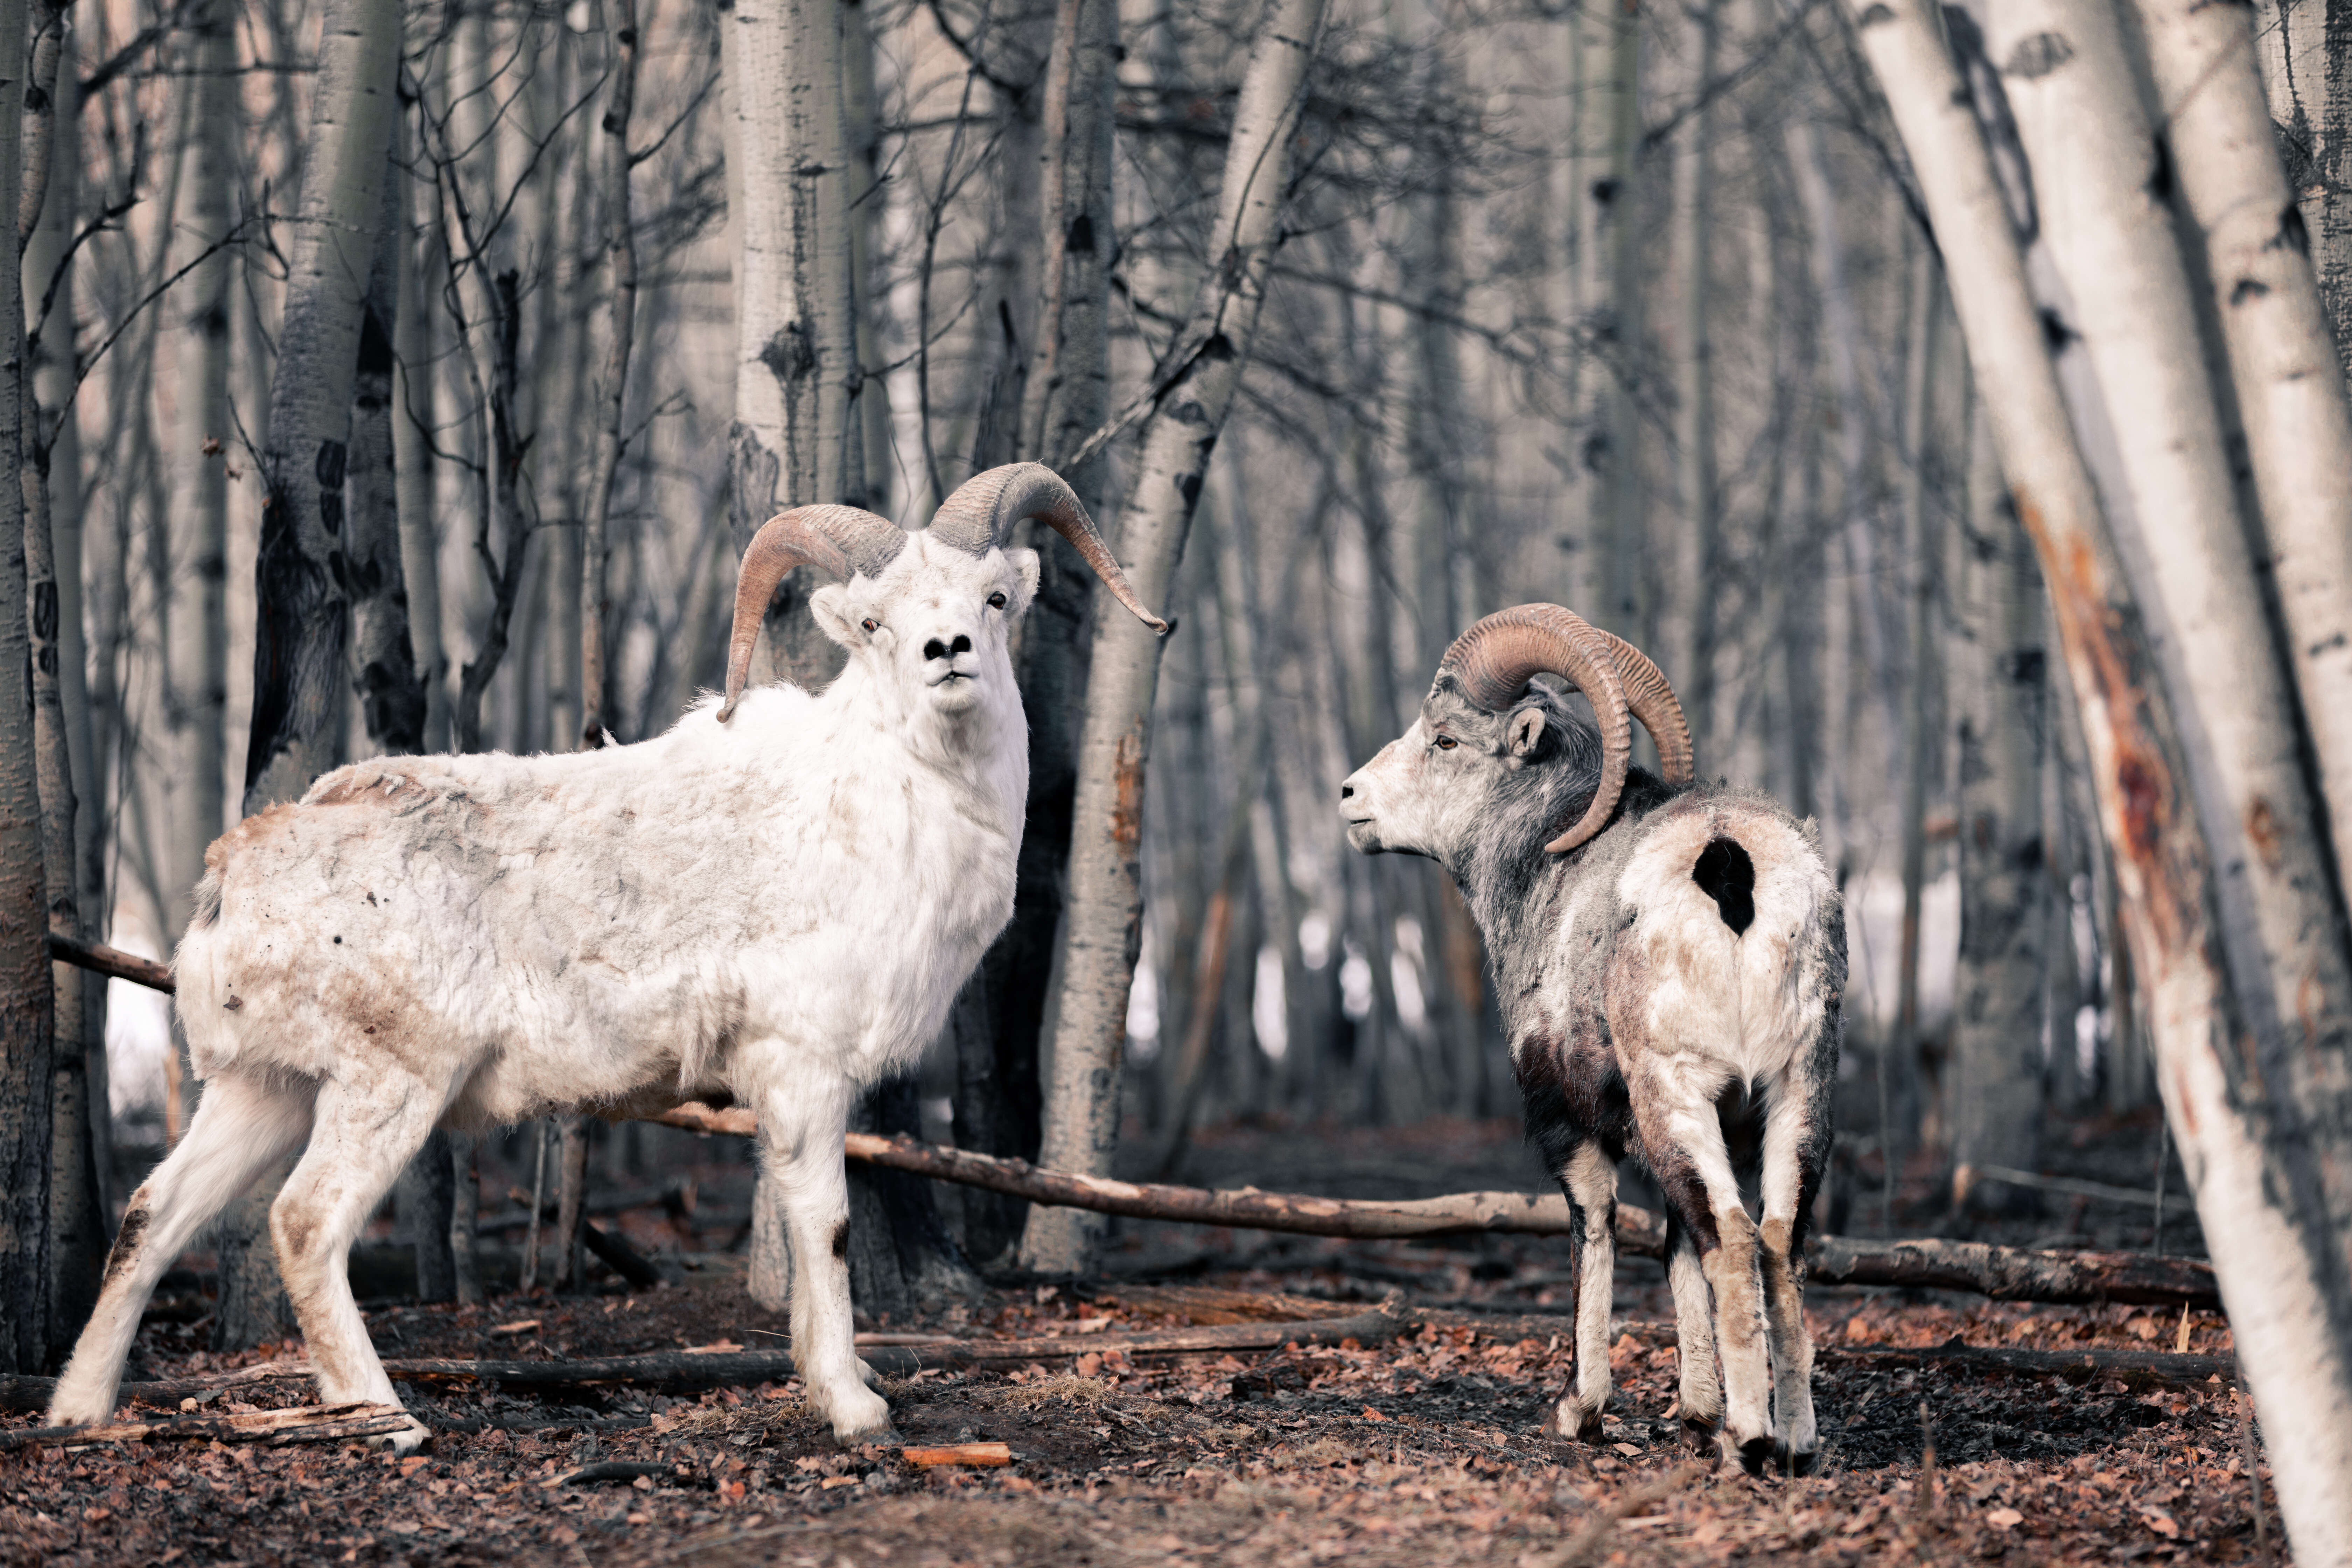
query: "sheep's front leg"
1796, 1152
1590, 1180
801, 1140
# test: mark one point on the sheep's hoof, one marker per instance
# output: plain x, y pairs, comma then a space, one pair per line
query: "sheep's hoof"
1753, 1453
859, 1416
405, 1441
1802, 1462
1705, 1442
1571, 1419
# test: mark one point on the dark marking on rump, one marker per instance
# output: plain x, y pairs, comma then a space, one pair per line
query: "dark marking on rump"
1726, 874
126, 1241
841, 1238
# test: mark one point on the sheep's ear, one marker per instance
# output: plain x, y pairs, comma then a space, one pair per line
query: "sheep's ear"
1024, 562
829, 604
1527, 734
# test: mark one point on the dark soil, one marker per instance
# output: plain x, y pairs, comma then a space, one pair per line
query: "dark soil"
1423, 1451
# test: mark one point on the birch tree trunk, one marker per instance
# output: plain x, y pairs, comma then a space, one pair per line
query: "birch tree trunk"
391, 690
1922, 532
78, 1232
2241, 1114
1614, 216
797, 437
1103, 926
1695, 438
998, 1104
2306, 72
2230, 187
1995, 1082
300, 601
25, 983
412, 425
613, 384
203, 439
798, 433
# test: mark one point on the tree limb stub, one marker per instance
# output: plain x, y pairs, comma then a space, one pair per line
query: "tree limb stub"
2003, 1273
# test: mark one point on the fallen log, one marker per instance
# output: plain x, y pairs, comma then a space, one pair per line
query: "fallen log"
2074, 1366
303, 1423
2015, 1273
2003, 1273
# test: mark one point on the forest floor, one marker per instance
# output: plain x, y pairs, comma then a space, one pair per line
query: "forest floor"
1425, 1450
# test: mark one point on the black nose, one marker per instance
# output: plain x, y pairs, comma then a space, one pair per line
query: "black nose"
938, 650
1347, 792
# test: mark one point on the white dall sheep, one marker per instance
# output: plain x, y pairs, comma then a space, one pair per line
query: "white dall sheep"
775, 910
1669, 968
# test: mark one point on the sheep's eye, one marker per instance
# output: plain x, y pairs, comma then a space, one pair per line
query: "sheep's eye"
996, 601
1446, 742
870, 623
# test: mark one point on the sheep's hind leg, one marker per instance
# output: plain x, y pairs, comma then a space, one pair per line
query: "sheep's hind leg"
243, 1125
362, 1138
1590, 1179
1700, 1395
1796, 1152
1695, 1172
801, 1130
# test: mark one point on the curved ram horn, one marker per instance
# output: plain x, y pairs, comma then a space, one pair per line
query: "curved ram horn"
840, 540
984, 509
1655, 704
1494, 659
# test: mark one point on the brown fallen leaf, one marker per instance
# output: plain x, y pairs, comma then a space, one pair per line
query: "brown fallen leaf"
2004, 1519
979, 1455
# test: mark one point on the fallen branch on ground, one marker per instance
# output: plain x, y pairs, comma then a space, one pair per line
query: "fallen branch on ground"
303, 1423
2003, 1273
2075, 1366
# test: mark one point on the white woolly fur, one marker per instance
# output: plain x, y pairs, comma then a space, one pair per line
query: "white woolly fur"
779, 909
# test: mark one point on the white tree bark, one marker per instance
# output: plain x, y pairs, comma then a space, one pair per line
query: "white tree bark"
2241, 1126
412, 419
386, 679
1102, 927
300, 640
620, 331
1693, 356
2229, 183
204, 444
1616, 529
300, 604
1994, 1087
798, 436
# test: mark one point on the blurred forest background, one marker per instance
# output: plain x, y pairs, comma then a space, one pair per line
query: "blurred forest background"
1633, 308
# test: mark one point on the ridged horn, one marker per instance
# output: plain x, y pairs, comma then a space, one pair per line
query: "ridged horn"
839, 539
1655, 705
984, 509
1495, 659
